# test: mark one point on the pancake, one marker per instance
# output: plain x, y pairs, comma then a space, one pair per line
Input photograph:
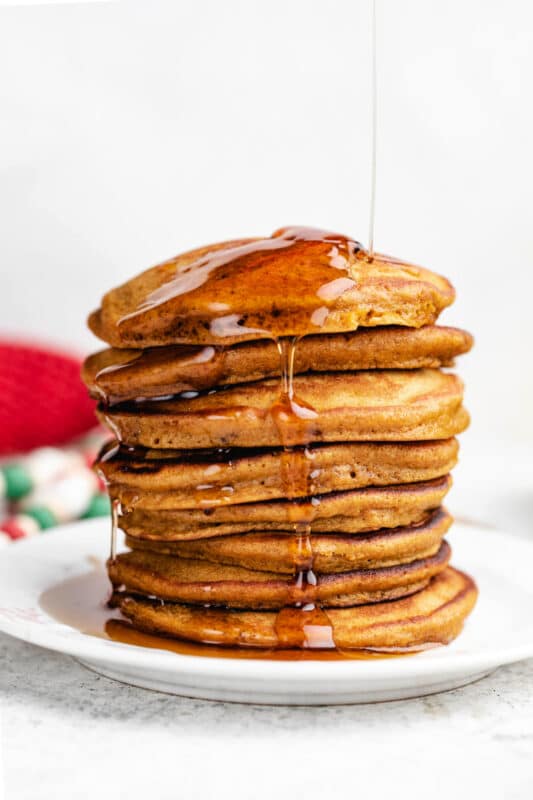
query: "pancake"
173, 479
297, 282
119, 375
187, 580
379, 405
359, 510
332, 552
433, 615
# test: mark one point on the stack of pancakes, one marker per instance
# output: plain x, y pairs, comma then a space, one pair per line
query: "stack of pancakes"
222, 475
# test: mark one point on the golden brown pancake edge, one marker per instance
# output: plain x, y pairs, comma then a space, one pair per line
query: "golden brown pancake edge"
201, 479
126, 374
200, 582
352, 511
379, 405
434, 615
332, 552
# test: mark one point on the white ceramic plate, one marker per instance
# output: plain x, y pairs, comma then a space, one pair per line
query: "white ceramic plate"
499, 631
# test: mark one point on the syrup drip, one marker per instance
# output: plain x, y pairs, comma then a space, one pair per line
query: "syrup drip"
301, 623
209, 495
116, 511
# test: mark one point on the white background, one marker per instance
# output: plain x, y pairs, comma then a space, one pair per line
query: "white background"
130, 131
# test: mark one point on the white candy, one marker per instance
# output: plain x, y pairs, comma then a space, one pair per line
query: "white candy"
4, 539
67, 498
48, 463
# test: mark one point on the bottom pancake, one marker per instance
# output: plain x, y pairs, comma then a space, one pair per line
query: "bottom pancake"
185, 580
434, 615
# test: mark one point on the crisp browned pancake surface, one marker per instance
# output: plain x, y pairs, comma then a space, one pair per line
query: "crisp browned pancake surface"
197, 581
339, 512
379, 405
433, 615
120, 375
294, 283
173, 479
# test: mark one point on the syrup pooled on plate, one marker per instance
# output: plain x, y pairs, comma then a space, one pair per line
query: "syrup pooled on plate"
79, 602
120, 631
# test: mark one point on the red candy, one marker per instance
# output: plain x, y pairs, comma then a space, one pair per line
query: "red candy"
12, 528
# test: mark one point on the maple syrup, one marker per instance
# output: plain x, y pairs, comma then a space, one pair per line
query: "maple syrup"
283, 285
302, 623
79, 602
116, 511
120, 631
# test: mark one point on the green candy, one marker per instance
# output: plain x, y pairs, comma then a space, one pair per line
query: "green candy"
98, 507
18, 481
42, 515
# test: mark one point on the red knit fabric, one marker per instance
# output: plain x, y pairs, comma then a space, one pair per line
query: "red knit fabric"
42, 398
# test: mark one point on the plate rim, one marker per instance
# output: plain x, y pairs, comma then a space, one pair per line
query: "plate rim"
100, 650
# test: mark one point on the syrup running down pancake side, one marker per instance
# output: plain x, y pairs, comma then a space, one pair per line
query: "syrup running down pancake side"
303, 623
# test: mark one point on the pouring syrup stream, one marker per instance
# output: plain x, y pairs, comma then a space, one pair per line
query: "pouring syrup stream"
373, 128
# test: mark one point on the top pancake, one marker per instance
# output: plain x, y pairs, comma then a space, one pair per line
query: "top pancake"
118, 375
299, 281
